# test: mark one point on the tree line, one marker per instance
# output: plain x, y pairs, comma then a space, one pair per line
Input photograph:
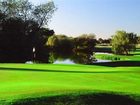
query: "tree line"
121, 42
23, 36
22, 30
84, 43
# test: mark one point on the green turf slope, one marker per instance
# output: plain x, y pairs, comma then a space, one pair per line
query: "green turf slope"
33, 80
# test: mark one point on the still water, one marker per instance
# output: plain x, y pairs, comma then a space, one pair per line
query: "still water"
71, 58
80, 58
68, 61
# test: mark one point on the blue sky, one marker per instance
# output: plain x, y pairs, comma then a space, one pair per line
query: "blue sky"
101, 17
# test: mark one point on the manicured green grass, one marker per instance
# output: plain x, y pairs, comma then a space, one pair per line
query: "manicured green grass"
135, 56
19, 81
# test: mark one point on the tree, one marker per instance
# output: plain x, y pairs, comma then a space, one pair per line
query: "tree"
138, 40
123, 42
52, 41
42, 51
85, 42
42, 13
104, 41
100, 40
22, 29
60, 42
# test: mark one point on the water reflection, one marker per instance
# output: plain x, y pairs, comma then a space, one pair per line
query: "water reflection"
71, 58
67, 61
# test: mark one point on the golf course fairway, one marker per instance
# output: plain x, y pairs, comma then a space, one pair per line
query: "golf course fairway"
21, 81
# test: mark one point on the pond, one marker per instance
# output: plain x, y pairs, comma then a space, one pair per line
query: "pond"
69, 58
73, 58
68, 61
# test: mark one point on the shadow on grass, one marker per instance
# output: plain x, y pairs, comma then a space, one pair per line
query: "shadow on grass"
136, 54
86, 99
119, 64
65, 71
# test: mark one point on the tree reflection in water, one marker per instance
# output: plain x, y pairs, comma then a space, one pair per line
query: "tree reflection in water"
72, 57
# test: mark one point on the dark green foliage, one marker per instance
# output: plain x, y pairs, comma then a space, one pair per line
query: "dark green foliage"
21, 30
104, 42
85, 43
78, 49
60, 43
138, 40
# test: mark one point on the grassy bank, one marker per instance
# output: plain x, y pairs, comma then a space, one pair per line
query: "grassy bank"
21, 81
134, 56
